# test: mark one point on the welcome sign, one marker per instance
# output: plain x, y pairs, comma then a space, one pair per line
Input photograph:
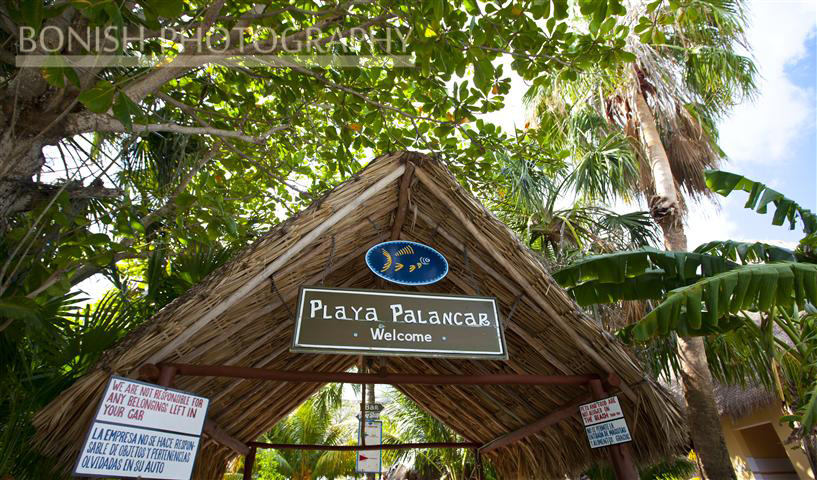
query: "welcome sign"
379, 322
143, 430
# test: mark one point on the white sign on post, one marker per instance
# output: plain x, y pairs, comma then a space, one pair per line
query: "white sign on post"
602, 410
369, 461
144, 431
372, 411
604, 422
608, 433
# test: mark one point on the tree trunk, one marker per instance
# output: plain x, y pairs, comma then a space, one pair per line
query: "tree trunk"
18, 164
810, 447
702, 412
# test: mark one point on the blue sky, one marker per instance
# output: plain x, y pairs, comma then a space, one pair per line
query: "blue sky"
772, 139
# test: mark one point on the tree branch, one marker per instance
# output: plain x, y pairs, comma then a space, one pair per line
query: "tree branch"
169, 205
85, 123
32, 192
159, 76
363, 97
191, 111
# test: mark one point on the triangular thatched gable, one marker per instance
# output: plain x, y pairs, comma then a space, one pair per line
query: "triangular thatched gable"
236, 317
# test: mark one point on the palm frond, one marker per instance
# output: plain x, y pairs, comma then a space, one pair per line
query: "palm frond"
706, 305
760, 197
745, 252
642, 274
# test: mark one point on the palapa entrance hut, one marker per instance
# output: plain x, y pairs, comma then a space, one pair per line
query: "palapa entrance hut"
241, 315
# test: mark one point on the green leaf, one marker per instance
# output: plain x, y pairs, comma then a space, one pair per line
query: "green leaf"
809, 418
607, 25
98, 239
56, 75
19, 308
750, 287
760, 196
126, 111
32, 13
483, 75
471, 7
137, 226
643, 274
167, 8
745, 252
99, 98
560, 9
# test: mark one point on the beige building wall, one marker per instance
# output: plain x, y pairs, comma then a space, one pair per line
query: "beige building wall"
756, 444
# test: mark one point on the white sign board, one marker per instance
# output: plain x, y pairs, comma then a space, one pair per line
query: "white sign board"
604, 422
602, 410
370, 415
143, 430
120, 451
374, 407
608, 433
369, 461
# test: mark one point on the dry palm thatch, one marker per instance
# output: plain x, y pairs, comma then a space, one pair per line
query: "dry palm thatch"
737, 401
242, 315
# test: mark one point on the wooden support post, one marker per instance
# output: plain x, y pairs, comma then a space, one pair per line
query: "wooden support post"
376, 378
249, 462
216, 433
565, 412
370, 399
478, 463
620, 455
167, 373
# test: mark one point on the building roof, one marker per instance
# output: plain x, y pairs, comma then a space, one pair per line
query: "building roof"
739, 401
241, 315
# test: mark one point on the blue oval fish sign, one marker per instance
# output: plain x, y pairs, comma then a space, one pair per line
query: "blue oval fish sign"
406, 263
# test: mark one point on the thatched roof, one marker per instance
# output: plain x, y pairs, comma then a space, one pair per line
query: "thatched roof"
737, 401
236, 317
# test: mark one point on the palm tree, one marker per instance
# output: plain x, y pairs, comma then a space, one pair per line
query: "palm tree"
527, 201
54, 341
319, 420
752, 305
408, 423
682, 74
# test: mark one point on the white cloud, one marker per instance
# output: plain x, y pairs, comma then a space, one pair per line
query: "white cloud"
706, 222
762, 131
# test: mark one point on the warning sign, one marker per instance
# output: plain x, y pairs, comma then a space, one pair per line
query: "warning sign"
120, 451
602, 410
604, 422
369, 461
129, 402
608, 433
143, 430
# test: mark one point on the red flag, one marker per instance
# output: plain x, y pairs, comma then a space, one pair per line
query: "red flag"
363, 457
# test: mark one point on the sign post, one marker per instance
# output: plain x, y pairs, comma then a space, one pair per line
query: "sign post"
372, 411
380, 322
369, 461
142, 430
